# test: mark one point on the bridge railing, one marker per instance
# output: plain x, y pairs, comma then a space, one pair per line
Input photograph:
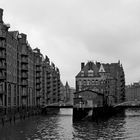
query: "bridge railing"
58, 104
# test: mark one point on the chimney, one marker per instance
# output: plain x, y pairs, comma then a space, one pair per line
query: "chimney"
1, 15
82, 65
89, 65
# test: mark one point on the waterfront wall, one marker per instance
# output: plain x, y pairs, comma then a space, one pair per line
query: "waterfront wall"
81, 113
21, 113
98, 113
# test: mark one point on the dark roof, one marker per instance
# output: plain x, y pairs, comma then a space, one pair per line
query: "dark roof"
14, 34
89, 66
109, 68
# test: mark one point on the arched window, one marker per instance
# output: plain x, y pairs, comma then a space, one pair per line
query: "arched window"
90, 82
96, 82
84, 82
93, 82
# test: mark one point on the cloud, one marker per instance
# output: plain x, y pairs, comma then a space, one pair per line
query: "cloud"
78, 30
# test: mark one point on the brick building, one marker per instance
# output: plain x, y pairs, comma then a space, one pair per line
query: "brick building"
133, 92
26, 78
51, 82
107, 79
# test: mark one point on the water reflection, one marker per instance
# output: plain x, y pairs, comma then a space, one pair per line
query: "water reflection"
55, 127
133, 112
112, 128
60, 126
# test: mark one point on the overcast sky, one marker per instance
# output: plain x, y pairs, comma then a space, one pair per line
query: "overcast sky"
75, 31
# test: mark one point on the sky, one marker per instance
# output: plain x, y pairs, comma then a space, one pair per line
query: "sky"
73, 31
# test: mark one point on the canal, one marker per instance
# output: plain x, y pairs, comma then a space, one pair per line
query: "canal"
60, 126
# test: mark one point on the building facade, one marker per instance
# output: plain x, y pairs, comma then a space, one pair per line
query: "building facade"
67, 94
69, 91
26, 78
51, 82
47, 81
107, 79
62, 93
133, 92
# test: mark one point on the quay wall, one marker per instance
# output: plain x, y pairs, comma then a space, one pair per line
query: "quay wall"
81, 113
18, 114
96, 113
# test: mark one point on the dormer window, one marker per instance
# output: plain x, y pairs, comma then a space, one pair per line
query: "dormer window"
90, 72
82, 73
101, 70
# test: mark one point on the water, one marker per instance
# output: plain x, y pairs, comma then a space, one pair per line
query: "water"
61, 127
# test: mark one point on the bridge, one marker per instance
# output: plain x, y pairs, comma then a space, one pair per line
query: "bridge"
59, 105
126, 104
129, 104
95, 112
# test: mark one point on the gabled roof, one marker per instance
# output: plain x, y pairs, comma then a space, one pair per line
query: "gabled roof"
88, 67
109, 68
14, 34
101, 68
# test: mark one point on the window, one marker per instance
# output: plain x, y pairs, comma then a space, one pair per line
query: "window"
1, 87
82, 73
15, 94
90, 72
80, 83
9, 94
93, 82
84, 82
96, 82
24, 49
90, 82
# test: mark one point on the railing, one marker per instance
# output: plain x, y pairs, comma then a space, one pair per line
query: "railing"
2, 45
24, 53
24, 60
59, 105
24, 94
24, 83
24, 75
38, 69
2, 76
24, 68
